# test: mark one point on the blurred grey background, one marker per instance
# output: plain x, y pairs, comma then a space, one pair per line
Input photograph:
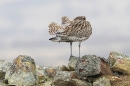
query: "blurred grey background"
24, 28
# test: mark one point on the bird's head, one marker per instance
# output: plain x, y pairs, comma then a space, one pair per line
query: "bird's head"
80, 18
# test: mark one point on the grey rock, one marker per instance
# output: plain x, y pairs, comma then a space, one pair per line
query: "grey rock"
124, 80
62, 68
61, 82
22, 72
88, 65
64, 75
5, 65
2, 75
47, 83
50, 71
116, 55
72, 63
119, 62
3, 84
90, 70
81, 82
122, 65
40, 72
102, 82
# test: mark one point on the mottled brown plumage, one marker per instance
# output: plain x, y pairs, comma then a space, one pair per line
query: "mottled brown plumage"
76, 30
65, 20
54, 28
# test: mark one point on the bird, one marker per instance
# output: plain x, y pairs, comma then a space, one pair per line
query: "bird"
75, 30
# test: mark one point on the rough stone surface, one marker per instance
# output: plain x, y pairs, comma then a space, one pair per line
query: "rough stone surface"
40, 72
65, 75
91, 70
61, 82
81, 82
123, 81
88, 65
105, 68
122, 65
22, 72
2, 75
102, 82
50, 71
72, 63
116, 55
47, 83
5, 65
62, 68
3, 84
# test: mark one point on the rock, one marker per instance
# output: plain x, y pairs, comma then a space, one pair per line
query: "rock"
64, 78
123, 80
45, 75
5, 65
50, 71
119, 62
2, 75
73, 82
72, 63
62, 68
47, 83
89, 70
3, 84
61, 82
114, 56
65, 75
105, 68
88, 65
81, 82
40, 72
22, 72
122, 65
102, 82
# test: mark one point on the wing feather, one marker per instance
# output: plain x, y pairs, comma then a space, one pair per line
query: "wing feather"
54, 28
78, 29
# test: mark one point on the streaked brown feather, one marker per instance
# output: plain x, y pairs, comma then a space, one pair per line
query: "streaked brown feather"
54, 28
79, 29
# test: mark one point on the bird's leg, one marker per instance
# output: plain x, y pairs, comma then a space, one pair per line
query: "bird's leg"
79, 48
79, 55
71, 48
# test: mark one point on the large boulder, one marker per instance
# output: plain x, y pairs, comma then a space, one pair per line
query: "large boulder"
90, 65
119, 62
22, 72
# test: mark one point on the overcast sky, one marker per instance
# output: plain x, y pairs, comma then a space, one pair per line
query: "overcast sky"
24, 28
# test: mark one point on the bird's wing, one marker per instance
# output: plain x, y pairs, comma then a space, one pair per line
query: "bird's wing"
54, 28
78, 29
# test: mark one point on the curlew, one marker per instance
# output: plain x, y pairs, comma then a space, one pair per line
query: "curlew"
76, 30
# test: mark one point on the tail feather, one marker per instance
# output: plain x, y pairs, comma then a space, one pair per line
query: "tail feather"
54, 28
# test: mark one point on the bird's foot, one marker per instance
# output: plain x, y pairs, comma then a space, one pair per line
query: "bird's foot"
70, 57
